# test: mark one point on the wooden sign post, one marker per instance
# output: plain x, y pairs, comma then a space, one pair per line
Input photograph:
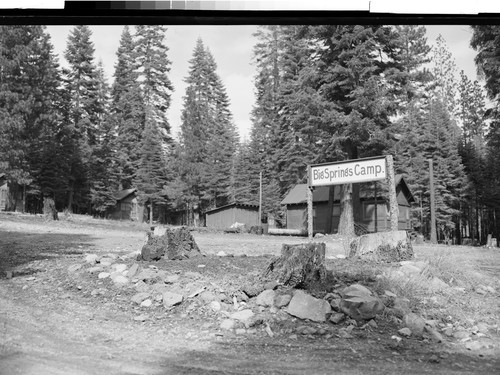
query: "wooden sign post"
393, 202
348, 172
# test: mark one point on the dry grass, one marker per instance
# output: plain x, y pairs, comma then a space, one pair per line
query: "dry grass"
461, 269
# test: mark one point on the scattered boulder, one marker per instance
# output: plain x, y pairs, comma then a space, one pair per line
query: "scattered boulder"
132, 270
405, 332
176, 244
103, 275
304, 306
91, 258
106, 261
120, 280
271, 285
95, 269
227, 324
282, 300
298, 265
139, 297
244, 316
433, 334
382, 246
415, 323
266, 298
146, 275
215, 305
252, 290
337, 318
141, 286
208, 296
171, 299
359, 303
118, 267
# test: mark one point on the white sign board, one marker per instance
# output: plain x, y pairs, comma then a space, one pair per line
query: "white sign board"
352, 171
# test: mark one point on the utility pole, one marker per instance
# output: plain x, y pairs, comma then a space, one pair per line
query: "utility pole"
260, 200
433, 204
309, 193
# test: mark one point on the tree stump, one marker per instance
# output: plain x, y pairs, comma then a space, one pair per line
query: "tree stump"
383, 246
299, 265
49, 209
175, 244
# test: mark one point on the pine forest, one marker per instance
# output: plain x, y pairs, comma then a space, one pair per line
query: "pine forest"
322, 93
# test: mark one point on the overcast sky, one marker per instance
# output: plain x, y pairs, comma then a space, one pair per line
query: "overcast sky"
231, 47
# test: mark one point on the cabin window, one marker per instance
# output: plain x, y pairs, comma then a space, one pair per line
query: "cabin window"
404, 213
336, 210
124, 206
369, 211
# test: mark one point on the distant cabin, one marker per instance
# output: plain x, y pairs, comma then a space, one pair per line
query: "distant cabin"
225, 216
4, 191
127, 206
370, 206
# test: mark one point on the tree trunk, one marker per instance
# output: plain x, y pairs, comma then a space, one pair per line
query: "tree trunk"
70, 197
49, 209
298, 266
175, 244
346, 224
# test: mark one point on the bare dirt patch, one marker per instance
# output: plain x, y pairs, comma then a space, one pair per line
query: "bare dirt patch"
54, 321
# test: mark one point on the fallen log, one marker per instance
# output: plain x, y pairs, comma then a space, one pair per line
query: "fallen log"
287, 232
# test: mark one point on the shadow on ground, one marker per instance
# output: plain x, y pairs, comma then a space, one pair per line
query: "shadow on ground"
19, 248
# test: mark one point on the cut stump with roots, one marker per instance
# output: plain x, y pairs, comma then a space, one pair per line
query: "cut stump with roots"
176, 244
298, 266
382, 246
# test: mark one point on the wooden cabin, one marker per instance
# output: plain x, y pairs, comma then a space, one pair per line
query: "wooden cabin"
127, 206
225, 216
370, 206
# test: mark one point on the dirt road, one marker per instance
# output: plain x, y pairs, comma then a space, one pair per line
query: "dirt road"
52, 323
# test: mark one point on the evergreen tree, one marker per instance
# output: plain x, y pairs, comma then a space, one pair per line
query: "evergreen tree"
486, 41
355, 66
86, 113
29, 125
413, 79
153, 66
261, 154
153, 172
208, 135
103, 169
444, 71
126, 112
151, 176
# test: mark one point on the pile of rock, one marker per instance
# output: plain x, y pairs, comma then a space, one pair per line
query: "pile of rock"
253, 305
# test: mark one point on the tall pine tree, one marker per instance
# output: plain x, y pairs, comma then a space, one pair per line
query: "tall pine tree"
208, 135
86, 114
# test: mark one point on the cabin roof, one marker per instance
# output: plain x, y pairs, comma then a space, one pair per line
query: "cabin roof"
241, 205
298, 194
122, 194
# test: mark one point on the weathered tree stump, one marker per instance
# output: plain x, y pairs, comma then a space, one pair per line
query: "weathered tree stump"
383, 246
299, 265
49, 209
175, 244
